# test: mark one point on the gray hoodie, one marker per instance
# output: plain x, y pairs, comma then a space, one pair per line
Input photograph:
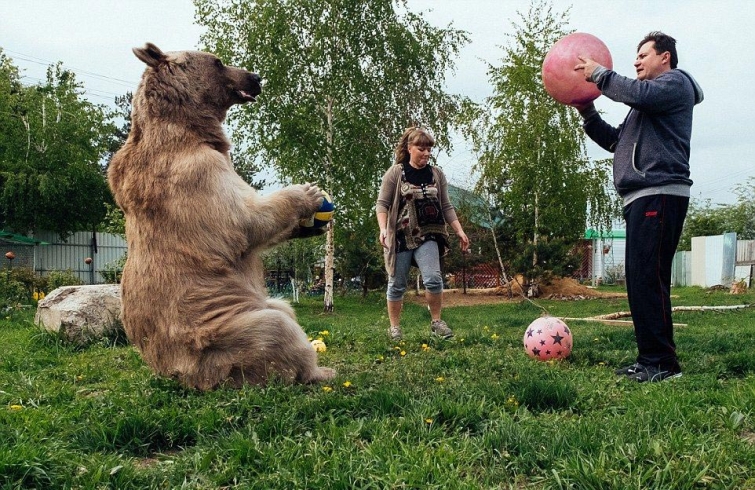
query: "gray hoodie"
651, 147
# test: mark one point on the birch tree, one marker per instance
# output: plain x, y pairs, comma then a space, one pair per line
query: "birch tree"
532, 154
342, 80
52, 144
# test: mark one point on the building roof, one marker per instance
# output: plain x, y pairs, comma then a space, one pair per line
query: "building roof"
20, 239
474, 207
591, 234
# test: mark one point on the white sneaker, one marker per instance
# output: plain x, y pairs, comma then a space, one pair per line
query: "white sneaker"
439, 328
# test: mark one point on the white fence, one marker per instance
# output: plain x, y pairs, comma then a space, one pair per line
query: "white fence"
715, 261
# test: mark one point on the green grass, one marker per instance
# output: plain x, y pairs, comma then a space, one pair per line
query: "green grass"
473, 412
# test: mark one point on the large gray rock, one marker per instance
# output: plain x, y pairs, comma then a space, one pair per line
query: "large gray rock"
81, 314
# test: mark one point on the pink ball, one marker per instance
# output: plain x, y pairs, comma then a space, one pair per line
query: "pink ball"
561, 80
547, 338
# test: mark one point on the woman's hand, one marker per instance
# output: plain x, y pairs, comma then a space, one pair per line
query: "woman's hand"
384, 237
463, 241
382, 219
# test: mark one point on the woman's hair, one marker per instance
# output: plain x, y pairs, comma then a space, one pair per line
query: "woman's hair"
412, 136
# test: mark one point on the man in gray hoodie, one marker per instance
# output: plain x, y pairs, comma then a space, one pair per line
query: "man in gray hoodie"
651, 174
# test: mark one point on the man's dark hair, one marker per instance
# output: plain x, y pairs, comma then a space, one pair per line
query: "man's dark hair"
663, 42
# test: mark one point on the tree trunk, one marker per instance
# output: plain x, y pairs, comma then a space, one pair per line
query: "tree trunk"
491, 221
329, 252
329, 243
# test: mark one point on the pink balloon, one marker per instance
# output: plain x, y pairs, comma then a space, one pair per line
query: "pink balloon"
561, 81
548, 338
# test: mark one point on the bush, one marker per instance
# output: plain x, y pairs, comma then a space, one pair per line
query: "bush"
113, 271
56, 279
31, 281
12, 293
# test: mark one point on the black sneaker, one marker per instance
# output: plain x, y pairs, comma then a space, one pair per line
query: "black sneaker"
630, 370
654, 374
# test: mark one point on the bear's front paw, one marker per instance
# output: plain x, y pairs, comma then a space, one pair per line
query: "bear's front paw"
307, 231
312, 200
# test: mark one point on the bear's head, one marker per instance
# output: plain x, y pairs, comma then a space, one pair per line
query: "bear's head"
190, 84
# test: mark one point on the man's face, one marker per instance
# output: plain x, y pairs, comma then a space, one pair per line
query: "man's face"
649, 64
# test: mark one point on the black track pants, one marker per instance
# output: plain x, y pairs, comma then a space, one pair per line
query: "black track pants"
654, 226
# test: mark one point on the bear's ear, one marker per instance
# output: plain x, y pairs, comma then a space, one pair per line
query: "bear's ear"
150, 54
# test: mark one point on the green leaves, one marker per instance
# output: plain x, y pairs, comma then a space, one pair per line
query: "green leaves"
531, 149
342, 80
705, 219
52, 142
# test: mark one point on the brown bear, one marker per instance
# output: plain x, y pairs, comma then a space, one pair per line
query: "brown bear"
194, 299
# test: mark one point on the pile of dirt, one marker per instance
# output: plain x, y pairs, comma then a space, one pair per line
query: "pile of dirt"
561, 288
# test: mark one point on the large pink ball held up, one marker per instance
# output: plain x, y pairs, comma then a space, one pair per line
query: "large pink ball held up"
561, 81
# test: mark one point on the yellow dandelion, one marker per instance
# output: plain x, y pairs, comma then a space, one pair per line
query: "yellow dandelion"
596, 339
327, 389
403, 352
380, 359
346, 384
16, 407
425, 347
494, 336
397, 348
601, 363
485, 327
428, 421
324, 333
511, 403
440, 379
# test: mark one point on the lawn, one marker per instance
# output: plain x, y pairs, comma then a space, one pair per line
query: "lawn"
473, 412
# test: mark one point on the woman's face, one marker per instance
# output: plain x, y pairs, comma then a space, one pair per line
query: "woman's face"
419, 155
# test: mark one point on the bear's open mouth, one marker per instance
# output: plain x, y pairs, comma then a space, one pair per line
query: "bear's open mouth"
246, 96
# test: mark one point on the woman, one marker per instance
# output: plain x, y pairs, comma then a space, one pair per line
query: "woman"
413, 210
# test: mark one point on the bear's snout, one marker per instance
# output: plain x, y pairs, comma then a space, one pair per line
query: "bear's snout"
248, 85
256, 83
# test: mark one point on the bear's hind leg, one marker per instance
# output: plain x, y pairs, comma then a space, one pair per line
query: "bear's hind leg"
261, 342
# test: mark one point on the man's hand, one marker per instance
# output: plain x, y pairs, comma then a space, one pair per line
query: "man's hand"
588, 66
584, 107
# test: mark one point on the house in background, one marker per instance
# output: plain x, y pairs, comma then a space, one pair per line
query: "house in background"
22, 248
713, 261
603, 256
719, 260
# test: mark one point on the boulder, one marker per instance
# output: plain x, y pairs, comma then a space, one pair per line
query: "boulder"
81, 314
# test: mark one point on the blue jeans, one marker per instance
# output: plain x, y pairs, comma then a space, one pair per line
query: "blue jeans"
428, 260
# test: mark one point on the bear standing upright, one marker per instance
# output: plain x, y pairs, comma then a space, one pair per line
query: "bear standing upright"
194, 299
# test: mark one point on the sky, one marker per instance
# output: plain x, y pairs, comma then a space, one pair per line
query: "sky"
94, 38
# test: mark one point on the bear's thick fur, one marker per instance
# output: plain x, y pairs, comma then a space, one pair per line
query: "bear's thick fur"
194, 298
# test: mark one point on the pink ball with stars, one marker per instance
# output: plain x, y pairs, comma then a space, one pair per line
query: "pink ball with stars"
547, 338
